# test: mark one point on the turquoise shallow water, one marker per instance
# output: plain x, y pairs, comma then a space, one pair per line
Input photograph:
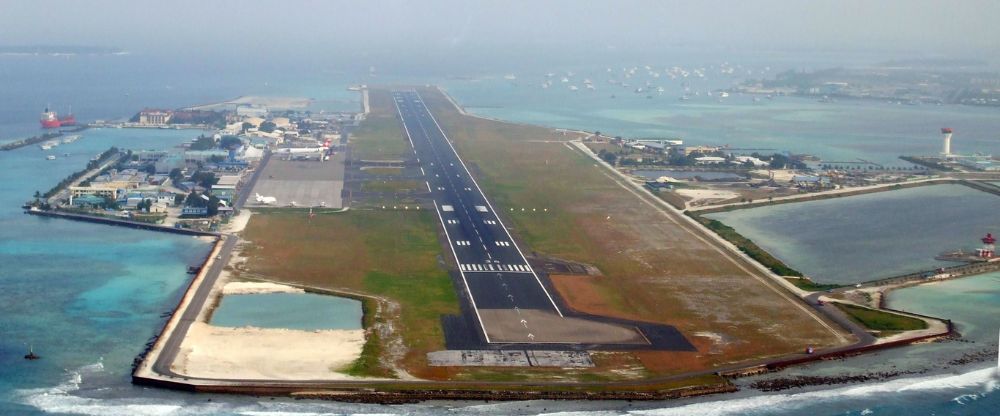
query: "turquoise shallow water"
80, 293
305, 311
88, 297
841, 131
867, 237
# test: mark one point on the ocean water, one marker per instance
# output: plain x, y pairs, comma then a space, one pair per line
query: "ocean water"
871, 236
843, 131
80, 294
88, 297
304, 311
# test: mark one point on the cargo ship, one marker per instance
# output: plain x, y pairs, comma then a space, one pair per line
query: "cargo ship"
51, 120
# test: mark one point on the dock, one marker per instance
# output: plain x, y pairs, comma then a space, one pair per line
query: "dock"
943, 273
119, 222
983, 186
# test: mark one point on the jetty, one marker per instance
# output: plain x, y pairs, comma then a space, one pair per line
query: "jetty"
17, 144
119, 222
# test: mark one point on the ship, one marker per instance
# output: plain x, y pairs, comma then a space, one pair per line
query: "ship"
51, 120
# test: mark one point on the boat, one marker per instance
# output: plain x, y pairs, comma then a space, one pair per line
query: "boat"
71, 138
68, 120
31, 354
45, 146
50, 157
510, 77
573, 88
51, 120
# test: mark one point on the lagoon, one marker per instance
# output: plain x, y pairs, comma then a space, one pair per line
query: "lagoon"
302, 311
867, 237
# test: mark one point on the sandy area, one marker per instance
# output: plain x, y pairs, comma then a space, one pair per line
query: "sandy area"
701, 195
239, 222
267, 354
245, 288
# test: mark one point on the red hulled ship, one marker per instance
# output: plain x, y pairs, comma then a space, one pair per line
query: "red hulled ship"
51, 120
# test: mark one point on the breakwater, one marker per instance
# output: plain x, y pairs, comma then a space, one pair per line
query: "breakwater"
17, 144
119, 222
414, 393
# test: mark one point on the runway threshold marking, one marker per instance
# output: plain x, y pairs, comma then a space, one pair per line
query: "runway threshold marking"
483, 194
454, 254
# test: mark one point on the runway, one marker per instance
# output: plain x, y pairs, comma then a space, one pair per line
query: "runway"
509, 301
493, 268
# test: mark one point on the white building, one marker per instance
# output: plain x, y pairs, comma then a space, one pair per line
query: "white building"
710, 160
751, 159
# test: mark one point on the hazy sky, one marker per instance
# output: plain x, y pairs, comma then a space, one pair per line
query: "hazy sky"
957, 27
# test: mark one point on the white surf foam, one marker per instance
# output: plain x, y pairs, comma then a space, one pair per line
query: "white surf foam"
984, 380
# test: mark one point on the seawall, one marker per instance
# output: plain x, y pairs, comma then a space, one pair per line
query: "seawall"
117, 222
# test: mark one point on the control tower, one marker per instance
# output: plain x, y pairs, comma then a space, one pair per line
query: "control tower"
946, 148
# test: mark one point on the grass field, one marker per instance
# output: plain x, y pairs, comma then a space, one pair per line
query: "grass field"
653, 268
747, 246
384, 171
880, 322
389, 254
558, 202
380, 136
393, 186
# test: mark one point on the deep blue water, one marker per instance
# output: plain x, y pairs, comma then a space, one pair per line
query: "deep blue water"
89, 296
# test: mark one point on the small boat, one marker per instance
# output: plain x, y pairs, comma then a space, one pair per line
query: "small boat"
50, 157
31, 354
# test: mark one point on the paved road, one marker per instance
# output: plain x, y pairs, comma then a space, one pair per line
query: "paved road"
173, 343
170, 349
493, 268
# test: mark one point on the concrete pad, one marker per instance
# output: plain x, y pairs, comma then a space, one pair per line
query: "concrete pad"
504, 325
309, 183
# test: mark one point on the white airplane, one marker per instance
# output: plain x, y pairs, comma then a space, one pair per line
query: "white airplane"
290, 150
266, 200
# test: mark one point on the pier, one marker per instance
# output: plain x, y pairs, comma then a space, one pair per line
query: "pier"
982, 186
17, 144
943, 273
119, 222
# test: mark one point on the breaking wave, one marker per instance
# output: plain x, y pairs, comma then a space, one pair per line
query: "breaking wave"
983, 381
969, 387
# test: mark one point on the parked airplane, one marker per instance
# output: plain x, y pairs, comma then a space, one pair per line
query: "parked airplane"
266, 200
295, 150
